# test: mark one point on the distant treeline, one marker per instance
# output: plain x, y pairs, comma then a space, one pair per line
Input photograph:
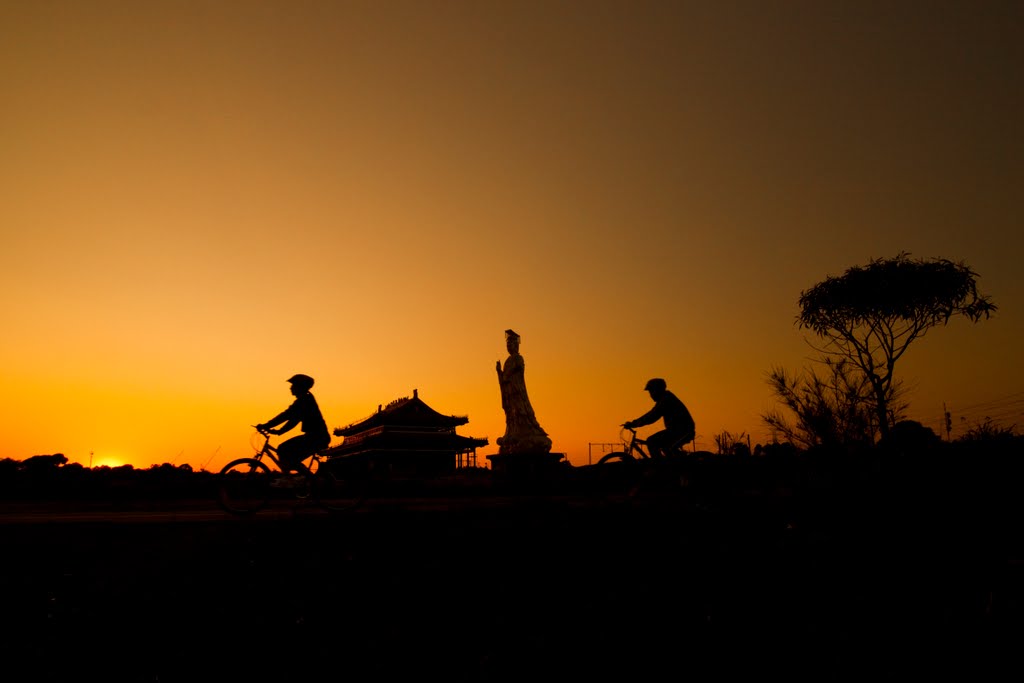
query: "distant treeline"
53, 477
911, 462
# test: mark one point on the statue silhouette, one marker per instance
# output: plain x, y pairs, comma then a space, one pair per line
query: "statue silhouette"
523, 433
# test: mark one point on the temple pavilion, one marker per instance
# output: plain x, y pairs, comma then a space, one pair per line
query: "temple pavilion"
405, 438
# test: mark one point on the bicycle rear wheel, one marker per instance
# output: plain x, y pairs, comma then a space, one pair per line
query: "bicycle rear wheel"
337, 493
244, 486
614, 476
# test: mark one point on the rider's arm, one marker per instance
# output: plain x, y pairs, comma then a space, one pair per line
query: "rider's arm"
288, 417
650, 417
288, 426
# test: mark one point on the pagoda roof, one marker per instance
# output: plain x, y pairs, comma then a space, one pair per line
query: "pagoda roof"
405, 440
404, 412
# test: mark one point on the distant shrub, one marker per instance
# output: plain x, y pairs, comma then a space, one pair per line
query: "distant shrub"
732, 444
830, 409
909, 436
988, 432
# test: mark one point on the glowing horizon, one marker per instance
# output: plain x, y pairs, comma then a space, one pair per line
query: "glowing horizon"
198, 202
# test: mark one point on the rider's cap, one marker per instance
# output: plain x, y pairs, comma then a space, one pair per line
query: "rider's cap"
656, 383
302, 381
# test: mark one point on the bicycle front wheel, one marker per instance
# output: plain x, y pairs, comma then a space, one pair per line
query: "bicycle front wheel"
244, 486
616, 456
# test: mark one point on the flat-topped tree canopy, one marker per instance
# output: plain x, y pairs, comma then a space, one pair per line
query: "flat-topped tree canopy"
871, 314
405, 412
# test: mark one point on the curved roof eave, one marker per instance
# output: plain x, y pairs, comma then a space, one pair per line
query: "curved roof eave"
412, 412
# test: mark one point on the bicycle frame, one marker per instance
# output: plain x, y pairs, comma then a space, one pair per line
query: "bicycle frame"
271, 452
246, 484
633, 450
636, 446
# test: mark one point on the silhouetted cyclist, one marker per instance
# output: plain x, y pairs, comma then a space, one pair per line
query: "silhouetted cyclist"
679, 425
306, 412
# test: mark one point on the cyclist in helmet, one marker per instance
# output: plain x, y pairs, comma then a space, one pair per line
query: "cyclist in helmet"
679, 425
306, 412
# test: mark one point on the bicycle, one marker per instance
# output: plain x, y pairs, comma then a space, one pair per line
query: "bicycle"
639, 472
246, 485
636, 449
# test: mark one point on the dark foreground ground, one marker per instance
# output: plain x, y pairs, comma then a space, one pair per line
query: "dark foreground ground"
677, 587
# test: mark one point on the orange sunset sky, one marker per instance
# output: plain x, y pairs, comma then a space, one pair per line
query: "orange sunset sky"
199, 199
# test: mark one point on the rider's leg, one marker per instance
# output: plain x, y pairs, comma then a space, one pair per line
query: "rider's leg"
658, 443
293, 451
666, 442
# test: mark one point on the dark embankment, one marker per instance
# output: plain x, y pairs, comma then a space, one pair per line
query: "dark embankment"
849, 574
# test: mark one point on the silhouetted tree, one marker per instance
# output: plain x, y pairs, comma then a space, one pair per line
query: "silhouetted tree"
870, 315
40, 463
832, 409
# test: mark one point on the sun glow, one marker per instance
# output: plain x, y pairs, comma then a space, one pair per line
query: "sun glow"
107, 461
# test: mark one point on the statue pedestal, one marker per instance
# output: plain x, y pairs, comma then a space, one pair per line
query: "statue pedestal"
526, 465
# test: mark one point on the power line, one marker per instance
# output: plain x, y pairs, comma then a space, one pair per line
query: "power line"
1005, 411
1011, 398
1009, 409
1000, 416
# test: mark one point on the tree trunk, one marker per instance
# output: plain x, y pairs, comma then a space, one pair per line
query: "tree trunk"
881, 408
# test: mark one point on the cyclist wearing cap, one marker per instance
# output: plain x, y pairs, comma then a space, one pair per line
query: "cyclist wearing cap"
679, 425
306, 412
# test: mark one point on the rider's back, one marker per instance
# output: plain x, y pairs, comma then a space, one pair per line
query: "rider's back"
675, 414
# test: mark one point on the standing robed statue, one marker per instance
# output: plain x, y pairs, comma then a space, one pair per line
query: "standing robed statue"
523, 433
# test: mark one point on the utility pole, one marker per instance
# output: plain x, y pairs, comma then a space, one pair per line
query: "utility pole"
949, 420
